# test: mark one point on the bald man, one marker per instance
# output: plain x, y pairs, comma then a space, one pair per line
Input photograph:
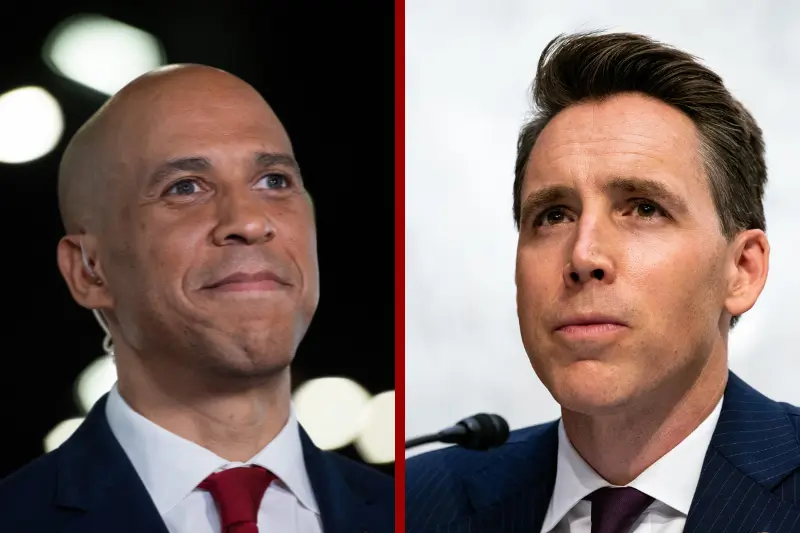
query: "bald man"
190, 231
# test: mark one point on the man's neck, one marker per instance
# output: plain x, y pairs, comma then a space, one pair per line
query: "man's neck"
620, 446
234, 423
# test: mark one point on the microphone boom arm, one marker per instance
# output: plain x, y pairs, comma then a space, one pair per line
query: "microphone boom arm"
424, 439
478, 432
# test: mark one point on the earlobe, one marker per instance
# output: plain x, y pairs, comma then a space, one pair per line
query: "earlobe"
749, 269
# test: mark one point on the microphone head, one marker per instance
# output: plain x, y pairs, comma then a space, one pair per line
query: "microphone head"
483, 431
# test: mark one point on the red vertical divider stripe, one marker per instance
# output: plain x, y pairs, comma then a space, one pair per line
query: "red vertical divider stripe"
400, 260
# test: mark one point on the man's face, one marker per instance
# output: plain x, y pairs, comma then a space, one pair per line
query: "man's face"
211, 193
620, 262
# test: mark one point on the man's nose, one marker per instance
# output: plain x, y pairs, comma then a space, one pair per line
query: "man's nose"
243, 220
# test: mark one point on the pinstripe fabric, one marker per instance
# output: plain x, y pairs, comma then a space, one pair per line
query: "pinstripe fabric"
502, 490
750, 482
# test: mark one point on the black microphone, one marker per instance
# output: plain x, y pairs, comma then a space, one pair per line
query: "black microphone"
478, 432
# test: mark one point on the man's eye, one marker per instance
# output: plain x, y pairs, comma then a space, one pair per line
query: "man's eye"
183, 188
275, 181
647, 209
551, 217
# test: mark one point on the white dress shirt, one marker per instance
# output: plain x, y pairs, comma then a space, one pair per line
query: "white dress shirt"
671, 481
171, 468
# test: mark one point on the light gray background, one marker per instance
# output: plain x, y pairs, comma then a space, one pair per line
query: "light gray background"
469, 65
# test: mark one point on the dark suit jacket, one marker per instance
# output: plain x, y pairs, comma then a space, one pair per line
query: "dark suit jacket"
750, 481
88, 485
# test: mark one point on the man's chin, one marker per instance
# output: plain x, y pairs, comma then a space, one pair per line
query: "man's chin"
593, 406
249, 370
592, 395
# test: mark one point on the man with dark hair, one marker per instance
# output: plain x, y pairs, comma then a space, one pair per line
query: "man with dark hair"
638, 199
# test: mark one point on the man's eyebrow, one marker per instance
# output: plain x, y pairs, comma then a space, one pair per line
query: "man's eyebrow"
201, 164
647, 188
271, 159
540, 198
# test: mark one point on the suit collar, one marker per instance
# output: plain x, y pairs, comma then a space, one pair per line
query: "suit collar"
343, 508
172, 467
755, 435
671, 480
96, 479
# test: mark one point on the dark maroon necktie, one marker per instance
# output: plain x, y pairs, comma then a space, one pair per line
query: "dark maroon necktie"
238, 493
614, 510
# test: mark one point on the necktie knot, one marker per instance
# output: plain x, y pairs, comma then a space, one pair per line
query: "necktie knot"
615, 509
237, 493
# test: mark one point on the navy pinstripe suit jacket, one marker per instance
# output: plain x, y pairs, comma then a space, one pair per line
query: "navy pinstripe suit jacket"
750, 482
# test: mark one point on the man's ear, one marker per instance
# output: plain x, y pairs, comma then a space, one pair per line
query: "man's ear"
82, 272
748, 268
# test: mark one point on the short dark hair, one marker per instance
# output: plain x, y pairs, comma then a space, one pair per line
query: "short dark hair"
593, 66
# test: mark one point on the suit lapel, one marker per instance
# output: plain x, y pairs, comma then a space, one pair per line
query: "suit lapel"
511, 492
98, 485
342, 509
753, 449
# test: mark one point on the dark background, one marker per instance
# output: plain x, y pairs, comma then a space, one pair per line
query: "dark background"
326, 68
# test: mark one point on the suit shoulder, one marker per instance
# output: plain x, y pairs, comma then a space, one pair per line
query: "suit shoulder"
28, 492
31, 478
436, 482
374, 485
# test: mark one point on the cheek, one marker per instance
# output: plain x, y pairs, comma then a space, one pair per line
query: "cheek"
541, 264
676, 289
302, 249
302, 237
680, 275
168, 253
647, 255
296, 226
537, 281
298, 238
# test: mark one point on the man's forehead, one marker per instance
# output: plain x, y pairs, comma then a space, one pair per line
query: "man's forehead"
207, 114
627, 118
205, 129
627, 134
199, 130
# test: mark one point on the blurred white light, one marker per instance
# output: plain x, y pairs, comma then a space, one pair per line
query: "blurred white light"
330, 410
95, 380
102, 53
60, 433
376, 443
31, 124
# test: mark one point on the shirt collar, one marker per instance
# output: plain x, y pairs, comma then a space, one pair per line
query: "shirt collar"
672, 479
171, 467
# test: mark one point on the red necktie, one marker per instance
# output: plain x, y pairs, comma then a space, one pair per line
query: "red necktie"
238, 493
